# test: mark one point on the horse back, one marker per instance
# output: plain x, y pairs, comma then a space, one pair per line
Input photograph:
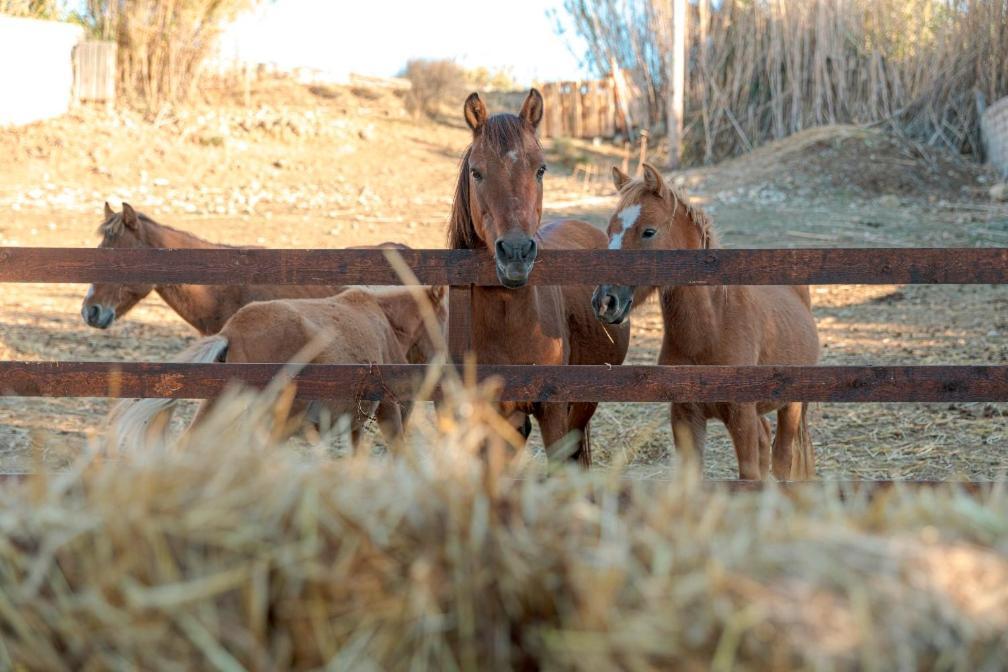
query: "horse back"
279, 330
571, 234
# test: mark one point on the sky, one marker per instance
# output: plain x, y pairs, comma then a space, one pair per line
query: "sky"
377, 37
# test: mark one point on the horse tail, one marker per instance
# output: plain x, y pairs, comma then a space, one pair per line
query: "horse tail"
805, 455
140, 422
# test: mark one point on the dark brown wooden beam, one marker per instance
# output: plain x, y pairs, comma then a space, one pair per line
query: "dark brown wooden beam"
531, 383
554, 267
459, 322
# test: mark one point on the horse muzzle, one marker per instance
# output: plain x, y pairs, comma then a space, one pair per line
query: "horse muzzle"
97, 316
513, 275
514, 260
612, 304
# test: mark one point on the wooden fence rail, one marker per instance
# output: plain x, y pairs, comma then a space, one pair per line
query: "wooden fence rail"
463, 269
813, 266
522, 383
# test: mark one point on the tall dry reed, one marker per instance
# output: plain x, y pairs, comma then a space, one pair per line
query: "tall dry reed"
764, 69
163, 44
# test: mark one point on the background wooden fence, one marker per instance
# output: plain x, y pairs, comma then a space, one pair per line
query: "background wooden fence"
581, 109
463, 269
95, 72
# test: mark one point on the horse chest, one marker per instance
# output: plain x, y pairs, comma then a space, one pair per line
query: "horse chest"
517, 332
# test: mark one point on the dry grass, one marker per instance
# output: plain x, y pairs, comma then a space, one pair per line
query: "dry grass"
761, 71
228, 552
916, 66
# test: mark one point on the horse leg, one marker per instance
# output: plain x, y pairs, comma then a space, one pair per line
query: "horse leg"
745, 428
765, 439
790, 428
390, 422
517, 418
788, 417
689, 432
579, 420
552, 419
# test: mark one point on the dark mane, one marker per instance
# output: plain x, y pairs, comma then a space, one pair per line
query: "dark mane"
502, 132
114, 226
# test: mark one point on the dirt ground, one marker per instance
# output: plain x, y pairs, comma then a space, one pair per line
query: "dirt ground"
331, 167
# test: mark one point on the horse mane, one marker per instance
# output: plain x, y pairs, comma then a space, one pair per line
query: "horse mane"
634, 190
114, 226
503, 133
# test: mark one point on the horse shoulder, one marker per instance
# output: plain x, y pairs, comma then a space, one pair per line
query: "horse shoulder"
365, 332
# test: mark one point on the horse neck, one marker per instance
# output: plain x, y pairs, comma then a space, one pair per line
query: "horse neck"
205, 307
153, 234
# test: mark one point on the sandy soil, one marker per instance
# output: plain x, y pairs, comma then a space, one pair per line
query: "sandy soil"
337, 167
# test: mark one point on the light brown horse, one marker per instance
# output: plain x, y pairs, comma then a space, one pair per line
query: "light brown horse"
498, 208
727, 325
357, 326
205, 307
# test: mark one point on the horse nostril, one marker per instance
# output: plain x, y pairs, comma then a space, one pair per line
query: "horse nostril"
93, 313
530, 249
501, 249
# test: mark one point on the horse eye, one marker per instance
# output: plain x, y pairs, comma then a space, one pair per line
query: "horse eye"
541, 171
649, 233
477, 175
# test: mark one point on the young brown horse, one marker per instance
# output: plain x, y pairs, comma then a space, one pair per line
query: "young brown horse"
205, 307
357, 326
728, 325
498, 208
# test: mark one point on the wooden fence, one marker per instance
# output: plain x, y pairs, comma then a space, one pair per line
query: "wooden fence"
581, 110
95, 72
463, 269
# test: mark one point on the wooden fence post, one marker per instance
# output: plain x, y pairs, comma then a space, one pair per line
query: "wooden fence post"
459, 322
577, 125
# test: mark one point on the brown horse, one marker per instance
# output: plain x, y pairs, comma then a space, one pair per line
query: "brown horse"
728, 325
357, 326
498, 208
205, 307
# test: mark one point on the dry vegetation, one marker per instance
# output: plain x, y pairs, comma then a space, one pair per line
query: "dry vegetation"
760, 71
228, 552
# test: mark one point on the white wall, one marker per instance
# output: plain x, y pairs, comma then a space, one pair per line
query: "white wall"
36, 68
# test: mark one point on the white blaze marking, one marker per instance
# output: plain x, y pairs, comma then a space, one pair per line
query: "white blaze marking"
629, 217
90, 293
513, 155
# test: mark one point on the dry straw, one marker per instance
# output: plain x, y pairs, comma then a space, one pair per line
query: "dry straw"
228, 552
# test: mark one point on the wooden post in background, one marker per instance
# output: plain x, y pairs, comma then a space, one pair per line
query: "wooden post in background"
459, 322
643, 152
577, 125
675, 65
551, 128
589, 110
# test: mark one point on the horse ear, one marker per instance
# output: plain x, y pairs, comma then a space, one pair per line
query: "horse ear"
130, 217
532, 109
475, 112
654, 181
619, 178
108, 211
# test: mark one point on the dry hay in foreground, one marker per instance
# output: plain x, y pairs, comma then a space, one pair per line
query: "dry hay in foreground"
227, 552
